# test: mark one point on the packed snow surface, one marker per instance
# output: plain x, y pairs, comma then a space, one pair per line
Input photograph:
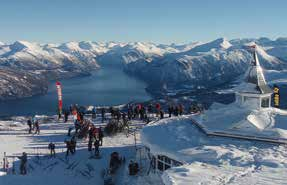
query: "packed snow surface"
76, 169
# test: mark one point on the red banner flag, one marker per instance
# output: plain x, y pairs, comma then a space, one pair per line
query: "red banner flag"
59, 90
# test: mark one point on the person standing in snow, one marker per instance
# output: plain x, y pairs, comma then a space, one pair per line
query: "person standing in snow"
157, 107
180, 109
124, 118
130, 114
90, 144
52, 147
59, 114
118, 115
161, 114
170, 110
66, 115
176, 110
68, 146
97, 146
37, 127
73, 144
149, 109
29, 123
77, 126
101, 136
34, 119
23, 164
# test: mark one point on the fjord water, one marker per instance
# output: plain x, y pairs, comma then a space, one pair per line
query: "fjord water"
105, 87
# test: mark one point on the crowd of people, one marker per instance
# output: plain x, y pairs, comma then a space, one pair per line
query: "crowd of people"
84, 128
33, 125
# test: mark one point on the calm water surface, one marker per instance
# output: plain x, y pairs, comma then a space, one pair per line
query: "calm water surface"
107, 86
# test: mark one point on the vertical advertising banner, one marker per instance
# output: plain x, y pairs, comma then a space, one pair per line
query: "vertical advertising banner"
276, 96
60, 101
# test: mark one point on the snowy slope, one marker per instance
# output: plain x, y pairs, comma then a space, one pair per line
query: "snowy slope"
279, 52
76, 169
18, 84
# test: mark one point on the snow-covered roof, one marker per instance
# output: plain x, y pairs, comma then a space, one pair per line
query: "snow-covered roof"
212, 160
245, 120
255, 76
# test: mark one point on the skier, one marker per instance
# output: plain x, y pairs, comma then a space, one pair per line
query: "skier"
37, 127
97, 146
23, 164
52, 147
29, 123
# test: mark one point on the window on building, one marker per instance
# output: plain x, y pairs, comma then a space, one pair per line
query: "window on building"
164, 162
265, 102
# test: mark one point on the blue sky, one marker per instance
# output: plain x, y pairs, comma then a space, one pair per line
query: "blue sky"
162, 21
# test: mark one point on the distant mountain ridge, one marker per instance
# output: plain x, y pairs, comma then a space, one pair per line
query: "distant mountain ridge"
168, 66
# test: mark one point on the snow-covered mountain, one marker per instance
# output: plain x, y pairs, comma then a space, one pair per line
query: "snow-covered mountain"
161, 65
18, 84
45, 62
209, 64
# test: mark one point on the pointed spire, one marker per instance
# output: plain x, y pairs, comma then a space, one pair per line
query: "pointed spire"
255, 74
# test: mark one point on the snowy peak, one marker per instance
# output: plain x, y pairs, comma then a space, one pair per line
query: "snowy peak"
263, 55
20, 45
220, 43
86, 45
223, 43
147, 48
70, 46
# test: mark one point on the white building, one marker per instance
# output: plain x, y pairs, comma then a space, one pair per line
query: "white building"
255, 88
